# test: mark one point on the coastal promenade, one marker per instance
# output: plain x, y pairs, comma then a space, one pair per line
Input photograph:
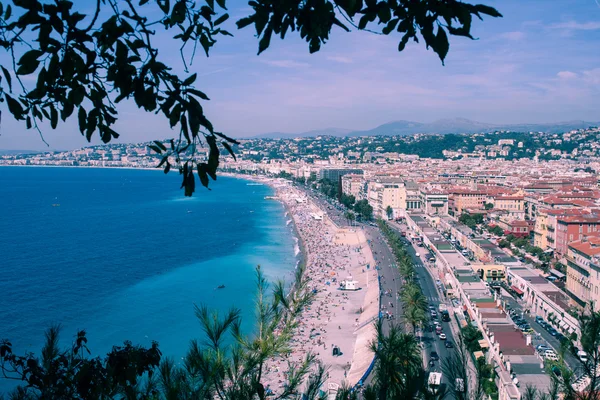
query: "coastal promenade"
388, 273
337, 319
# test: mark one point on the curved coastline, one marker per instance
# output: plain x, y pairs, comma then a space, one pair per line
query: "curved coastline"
336, 318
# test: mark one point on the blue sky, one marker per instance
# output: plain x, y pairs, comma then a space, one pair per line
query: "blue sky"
540, 63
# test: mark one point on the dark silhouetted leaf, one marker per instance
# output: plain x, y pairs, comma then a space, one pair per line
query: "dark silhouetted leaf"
160, 145
8, 77
14, 107
442, 45
203, 175
82, 117
229, 149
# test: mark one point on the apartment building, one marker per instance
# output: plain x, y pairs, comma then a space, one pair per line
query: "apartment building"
490, 272
353, 184
583, 271
413, 196
387, 192
514, 205
434, 202
546, 223
572, 228
334, 174
462, 199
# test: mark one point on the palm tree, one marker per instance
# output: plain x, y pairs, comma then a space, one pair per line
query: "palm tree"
406, 268
415, 305
398, 372
214, 369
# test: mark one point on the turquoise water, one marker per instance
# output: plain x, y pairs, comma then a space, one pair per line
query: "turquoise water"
125, 256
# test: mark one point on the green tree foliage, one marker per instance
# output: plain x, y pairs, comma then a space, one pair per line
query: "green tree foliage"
364, 209
389, 212
399, 368
415, 305
329, 188
471, 336
84, 64
496, 230
70, 374
488, 206
347, 200
471, 220
504, 244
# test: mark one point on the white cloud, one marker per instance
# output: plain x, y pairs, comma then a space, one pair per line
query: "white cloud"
285, 63
340, 59
592, 76
516, 35
577, 26
566, 75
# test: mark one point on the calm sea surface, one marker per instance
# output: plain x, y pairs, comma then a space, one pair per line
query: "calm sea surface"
125, 256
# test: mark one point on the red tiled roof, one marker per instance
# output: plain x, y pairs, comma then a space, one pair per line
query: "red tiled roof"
582, 219
590, 247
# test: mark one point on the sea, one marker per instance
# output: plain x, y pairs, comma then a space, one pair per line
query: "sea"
123, 255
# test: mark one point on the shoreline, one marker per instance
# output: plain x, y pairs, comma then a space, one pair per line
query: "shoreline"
336, 319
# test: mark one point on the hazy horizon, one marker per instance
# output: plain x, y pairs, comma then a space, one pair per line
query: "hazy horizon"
538, 64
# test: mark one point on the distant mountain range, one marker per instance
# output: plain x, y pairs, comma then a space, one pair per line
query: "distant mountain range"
442, 126
13, 152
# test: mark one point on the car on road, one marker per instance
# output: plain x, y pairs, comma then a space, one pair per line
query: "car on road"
442, 336
541, 348
434, 356
583, 356
448, 344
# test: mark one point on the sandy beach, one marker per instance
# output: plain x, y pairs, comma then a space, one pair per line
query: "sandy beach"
337, 318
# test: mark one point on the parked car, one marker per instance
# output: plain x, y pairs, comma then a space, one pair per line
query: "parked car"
434, 356
448, 344
541, 348
549, 353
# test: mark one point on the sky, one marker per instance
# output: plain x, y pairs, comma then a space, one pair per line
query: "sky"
539, 63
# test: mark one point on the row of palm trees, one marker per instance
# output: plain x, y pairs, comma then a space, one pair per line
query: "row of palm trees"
413, 301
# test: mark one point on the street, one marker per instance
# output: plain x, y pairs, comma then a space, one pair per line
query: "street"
544, 337
430, 339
